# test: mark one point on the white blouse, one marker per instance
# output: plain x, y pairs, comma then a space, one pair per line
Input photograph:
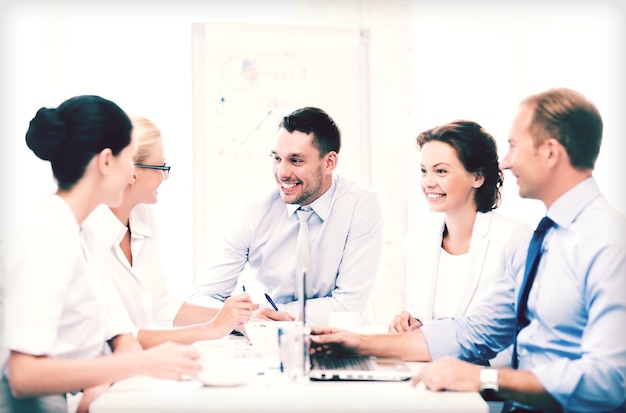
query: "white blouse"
452, 281
53, 299
142, 286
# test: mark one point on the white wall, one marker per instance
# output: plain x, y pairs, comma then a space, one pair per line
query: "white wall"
431, 62
479, 63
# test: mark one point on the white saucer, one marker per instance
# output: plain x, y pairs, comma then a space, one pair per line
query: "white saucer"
227, 379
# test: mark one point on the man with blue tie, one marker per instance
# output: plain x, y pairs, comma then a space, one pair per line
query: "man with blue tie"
562, 300
313, 220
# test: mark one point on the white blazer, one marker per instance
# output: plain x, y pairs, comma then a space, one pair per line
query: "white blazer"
494, 236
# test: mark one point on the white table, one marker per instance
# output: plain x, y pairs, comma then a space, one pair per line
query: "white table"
268, 393
142, 394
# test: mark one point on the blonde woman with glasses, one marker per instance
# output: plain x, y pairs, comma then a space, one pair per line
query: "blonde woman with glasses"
130, 233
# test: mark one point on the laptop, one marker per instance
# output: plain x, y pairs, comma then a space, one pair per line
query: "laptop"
355, 367
351, 366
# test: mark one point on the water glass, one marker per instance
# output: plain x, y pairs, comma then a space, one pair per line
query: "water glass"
294, 345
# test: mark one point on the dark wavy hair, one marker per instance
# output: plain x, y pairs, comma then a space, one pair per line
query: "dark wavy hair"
477, 151
326, 133
72, 134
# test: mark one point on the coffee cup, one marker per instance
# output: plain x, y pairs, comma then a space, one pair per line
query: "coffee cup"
220, 365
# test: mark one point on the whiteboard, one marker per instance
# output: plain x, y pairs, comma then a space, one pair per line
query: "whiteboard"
246, 77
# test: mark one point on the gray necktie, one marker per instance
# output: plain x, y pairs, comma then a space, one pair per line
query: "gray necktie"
303, 249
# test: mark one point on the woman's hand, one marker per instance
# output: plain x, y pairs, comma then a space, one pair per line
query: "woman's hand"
237, 310
404, 322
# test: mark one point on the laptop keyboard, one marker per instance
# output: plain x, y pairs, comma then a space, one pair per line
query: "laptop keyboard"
340, 362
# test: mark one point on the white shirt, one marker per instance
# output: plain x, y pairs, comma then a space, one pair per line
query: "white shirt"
53, 300
494, 237
450, 285
345, 233
142, 286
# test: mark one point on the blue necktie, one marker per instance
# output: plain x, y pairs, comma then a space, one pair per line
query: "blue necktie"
532, 262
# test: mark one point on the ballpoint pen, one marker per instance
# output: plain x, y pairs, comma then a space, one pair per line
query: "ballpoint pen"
271, 301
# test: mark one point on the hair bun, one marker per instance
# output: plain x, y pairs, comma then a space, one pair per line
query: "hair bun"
46, 133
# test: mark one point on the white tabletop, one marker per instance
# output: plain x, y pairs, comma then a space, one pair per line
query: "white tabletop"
267, 392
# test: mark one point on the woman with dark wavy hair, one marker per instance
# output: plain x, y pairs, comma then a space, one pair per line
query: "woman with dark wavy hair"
453, 259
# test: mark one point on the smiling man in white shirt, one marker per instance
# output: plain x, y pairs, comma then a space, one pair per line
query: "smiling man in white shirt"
345, 230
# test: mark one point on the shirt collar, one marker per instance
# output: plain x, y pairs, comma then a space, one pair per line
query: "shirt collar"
321, 206
105, 226
569, 205
138, 224
110, 230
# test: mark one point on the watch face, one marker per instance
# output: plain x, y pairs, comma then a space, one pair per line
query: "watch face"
489, 379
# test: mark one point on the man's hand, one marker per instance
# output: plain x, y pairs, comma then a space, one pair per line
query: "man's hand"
334, 340
270, 314
449, 374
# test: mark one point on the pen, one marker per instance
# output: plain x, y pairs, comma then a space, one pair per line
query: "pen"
243, 287
271, 302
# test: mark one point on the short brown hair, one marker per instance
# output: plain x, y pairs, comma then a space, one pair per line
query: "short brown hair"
570, 118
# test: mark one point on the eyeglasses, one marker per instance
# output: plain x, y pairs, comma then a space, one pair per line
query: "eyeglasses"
165, 168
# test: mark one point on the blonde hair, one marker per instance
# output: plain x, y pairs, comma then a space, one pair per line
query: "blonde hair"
146, 134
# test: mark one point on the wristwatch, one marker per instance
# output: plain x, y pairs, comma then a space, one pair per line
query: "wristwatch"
489, 380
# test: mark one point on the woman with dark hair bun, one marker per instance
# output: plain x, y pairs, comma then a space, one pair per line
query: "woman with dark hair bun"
453, 262
72, 134
57, 311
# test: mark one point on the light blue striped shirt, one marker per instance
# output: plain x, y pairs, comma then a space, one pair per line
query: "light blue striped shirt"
574, 344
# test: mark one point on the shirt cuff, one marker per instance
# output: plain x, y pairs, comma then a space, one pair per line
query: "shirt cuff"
441, 341
556, 380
